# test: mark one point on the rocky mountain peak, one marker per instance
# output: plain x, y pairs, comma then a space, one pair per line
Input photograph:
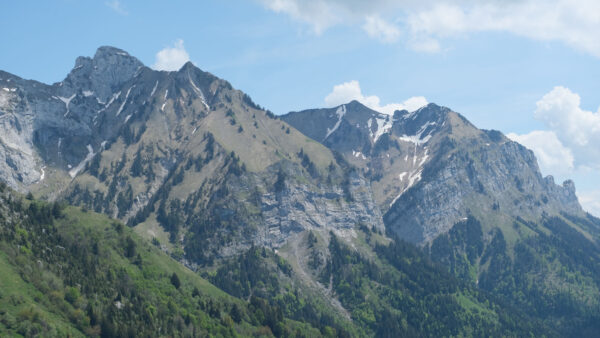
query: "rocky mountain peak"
569, 192
188, 66
434, 154
356, 105
101, 75
104, 52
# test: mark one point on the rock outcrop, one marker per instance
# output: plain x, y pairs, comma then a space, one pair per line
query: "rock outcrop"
431, 168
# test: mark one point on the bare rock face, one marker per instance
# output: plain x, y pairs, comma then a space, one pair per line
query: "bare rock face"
179, 151
430, 169
101, 76
276, 212
19, 165
114, 134
298, 207
494, 182
56, 125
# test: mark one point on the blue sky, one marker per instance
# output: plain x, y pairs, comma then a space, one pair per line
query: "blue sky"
496, 62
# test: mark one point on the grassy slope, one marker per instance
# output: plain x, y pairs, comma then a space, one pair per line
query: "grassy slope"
46, 293
269, 139
19, 302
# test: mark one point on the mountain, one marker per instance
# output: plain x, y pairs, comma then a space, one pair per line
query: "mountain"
66, 271
127, 140
433, 159
474, 200
310, 213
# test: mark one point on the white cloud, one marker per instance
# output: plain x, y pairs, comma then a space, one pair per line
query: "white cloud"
378, 28
590, 201
322, 14
574, 22
424, 44
427, 22
553, 157
171, 58
577, 129
116, 6
348, 91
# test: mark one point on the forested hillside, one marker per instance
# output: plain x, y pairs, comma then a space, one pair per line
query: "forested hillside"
66, 271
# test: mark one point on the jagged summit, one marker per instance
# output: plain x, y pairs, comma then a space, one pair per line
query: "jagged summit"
189, 65
430, 168
187, 159
99, 76
126, 134
108, 51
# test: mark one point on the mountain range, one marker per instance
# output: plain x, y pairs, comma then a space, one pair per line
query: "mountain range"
348, 221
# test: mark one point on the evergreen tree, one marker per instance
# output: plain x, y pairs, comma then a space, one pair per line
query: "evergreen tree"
175, 280
136, 166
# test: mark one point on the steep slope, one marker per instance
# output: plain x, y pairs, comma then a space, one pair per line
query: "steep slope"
68, 272
185, 159
140, 145
57, 126
431, 168
476, 202
259, 208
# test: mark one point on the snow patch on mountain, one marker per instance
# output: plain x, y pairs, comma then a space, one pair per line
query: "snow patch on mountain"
358, 154
154, 89
419, 138
413, 177
199, 91
124, 101
384, 124
112, 99
66, 100
73, 172
340, 112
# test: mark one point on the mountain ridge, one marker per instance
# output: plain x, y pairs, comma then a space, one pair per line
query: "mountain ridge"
425, 136
317, 202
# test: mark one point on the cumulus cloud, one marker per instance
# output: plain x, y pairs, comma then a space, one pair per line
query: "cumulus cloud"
427, 22
553, 157
116, 6
576, 128
573, 138
171, 58
348, 91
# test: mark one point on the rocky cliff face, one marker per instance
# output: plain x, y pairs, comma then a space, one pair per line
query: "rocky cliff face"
114, 132
58, 126
431, 168
181, 154
475, 201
